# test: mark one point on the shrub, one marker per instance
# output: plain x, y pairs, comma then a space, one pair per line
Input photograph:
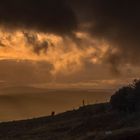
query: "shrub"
127, 98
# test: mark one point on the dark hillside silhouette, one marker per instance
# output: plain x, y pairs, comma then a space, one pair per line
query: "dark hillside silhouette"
117, 120
127, 98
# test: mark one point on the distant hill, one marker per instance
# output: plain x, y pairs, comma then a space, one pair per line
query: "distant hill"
93, 122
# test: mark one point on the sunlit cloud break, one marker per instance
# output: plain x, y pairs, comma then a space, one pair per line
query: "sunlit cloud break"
63, 53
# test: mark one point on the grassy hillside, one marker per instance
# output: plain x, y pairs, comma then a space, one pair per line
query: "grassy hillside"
91, 122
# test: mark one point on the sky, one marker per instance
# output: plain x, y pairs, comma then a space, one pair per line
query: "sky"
55, 53
68, 43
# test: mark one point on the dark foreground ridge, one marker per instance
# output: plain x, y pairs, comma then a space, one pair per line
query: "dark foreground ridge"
117, 120
93, 122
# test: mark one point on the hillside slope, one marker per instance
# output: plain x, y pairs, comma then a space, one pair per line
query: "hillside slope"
87, 123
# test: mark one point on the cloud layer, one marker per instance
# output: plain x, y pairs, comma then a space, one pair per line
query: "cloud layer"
50, 15
70, 35
117, 22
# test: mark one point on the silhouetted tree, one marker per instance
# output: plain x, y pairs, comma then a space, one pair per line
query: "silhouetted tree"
136, 90
127, 98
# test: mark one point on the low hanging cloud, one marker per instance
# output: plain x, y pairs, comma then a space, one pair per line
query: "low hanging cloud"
64, 55
64, 62
38, 47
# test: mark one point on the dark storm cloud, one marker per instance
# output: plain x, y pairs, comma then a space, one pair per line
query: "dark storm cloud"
45, 15
38, 47
116, 21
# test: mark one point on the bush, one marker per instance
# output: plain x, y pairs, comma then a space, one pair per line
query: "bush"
127, 98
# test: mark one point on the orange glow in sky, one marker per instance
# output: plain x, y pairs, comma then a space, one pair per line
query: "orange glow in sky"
63, 53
